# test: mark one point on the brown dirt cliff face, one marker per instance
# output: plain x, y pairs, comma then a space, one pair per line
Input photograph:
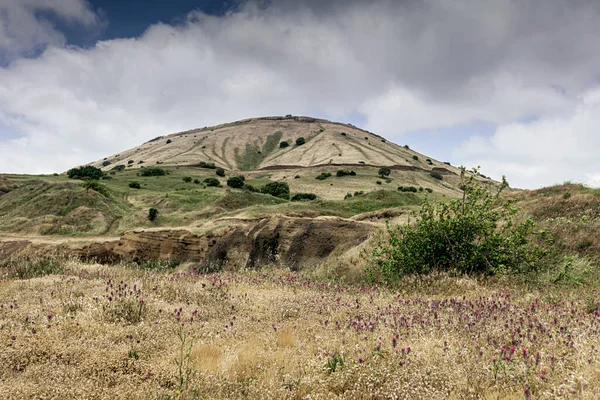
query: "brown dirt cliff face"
295, 243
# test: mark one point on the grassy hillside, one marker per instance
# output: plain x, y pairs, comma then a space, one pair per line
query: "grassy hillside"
58, 205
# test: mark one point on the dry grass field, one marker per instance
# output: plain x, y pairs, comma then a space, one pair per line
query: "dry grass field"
89, 331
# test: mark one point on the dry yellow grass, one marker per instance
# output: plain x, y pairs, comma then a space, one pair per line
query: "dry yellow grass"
112, 332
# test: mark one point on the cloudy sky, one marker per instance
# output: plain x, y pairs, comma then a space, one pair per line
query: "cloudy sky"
513, 86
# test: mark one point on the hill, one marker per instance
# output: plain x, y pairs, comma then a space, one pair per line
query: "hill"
256, 144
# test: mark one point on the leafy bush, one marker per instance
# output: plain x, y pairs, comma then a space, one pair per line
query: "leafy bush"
96, 187
277, 189
297, 177
118, 168
300, 141
348, 196
84, 172
416, 158
378, 182
169, 141
214, 182
106, 163
304, 196
250, 188
236, 182
220, 172
197, 181
130, 162
479, 233
207, 165
283, 145
323, 176
187, 179
383, 172
436, 175
152, 214
135, 185
408, 189
345, 172
152, 171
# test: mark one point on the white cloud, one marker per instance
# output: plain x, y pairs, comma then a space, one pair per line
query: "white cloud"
403, 65
543, 152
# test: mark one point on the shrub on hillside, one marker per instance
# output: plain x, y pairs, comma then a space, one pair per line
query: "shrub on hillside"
105, 163
250, 188
96, 187
345, 172
187, 179
416, 158
383, 172
85, 172
323, 175
479, 233
214, 182
152, 171
304, 196
169, 141
220, 172
300, 141
411, 189
236, 182
277, 189
436, 175
203, 164
118, 168
135, 185
152, 214
283, 145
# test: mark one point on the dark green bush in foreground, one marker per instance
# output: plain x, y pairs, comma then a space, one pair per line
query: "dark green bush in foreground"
479, 233
214, 182
135, 185
152, 171
236, 182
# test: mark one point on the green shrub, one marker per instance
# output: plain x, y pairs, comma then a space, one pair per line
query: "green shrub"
429, 190
297, 177
169, 141
187, 179
300, 141
348, 196
383, 172
250, 188
85, 172
416, 158
478, 233
411, 189
378, 182
345, 172
152, 171
277, 189
107, 177
96, 187
214, 182
220, 172
436, 175
106, 163
323, 176
283, 145
236, 182
207, 165
304, 196
152, 214
135, 185
130, 162
118, 168
197, 181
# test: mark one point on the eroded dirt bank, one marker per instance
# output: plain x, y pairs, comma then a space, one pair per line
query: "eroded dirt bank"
291, 242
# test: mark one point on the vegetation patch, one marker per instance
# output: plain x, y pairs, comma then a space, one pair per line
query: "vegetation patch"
253, 156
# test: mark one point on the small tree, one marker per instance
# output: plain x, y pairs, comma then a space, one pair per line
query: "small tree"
236, 182
152, 214
214, 182
187, 179
277, 189
85, 172
300, 141
383, 172
220, 172
283, 145
135, 185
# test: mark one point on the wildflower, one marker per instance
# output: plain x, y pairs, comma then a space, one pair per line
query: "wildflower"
394, 342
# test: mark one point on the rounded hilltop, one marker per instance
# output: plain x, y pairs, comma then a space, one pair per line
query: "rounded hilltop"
265, 143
